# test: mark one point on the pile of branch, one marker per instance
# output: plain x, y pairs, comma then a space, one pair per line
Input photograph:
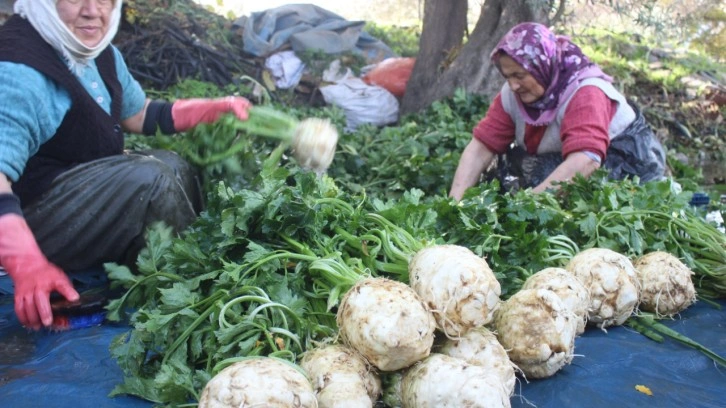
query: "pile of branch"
162, 57
164, 44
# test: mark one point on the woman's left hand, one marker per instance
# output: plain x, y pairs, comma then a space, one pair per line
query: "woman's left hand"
575, 163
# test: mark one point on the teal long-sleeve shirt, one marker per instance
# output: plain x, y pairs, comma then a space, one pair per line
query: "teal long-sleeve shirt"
33, 106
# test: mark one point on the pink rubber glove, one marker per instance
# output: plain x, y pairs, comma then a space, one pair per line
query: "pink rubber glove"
34, 277
187, 113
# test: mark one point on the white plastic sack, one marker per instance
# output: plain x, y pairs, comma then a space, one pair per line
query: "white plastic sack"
362, 103
715, 218
286, 69
334, 74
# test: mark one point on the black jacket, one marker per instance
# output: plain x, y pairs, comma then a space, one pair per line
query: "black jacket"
87, 131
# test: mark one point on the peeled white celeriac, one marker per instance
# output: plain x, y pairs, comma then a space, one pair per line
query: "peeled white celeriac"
457, 285
665, 283
259, 382
313, 140
537, 330
612, 282
386, 322
571, 291
480, 347
314, 143
342, 378
443, 381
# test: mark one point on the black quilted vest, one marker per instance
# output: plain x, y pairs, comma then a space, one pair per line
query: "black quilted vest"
87, 131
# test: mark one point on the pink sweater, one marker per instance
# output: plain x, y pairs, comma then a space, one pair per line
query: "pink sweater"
584, 125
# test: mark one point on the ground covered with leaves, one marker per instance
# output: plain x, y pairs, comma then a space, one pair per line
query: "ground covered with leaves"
682, 94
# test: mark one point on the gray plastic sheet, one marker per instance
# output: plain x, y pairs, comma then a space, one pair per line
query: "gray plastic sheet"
307, 27
74, 369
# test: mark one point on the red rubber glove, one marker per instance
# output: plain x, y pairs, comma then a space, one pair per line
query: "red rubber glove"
34, 277
187, 113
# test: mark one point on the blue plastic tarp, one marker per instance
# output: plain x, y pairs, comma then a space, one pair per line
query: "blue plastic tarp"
608, 367
74, 369
61, 369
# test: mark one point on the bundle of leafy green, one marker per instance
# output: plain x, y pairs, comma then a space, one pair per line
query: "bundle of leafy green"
262, 270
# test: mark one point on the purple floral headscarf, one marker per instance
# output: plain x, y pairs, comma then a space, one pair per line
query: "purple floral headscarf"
553, 60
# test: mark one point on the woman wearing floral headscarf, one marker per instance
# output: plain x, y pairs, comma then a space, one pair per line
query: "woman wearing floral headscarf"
70, 197
563, 115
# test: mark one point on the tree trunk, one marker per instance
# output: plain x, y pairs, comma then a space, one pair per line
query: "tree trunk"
445, 63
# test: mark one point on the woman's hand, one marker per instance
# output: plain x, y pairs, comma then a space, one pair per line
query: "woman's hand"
575, 163
34, 278
187, 113
475, 158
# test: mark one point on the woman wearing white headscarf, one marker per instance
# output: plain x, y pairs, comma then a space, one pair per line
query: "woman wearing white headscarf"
70, 197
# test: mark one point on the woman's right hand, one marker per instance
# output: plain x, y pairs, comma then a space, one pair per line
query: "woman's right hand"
475, 158
34, 277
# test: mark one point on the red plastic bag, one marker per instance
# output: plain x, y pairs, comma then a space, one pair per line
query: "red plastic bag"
391, 74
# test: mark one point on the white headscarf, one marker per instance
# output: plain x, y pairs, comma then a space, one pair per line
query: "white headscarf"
43, 16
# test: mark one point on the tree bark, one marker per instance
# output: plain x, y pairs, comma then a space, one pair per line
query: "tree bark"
445, 63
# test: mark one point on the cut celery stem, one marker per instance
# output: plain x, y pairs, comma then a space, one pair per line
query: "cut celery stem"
269, 123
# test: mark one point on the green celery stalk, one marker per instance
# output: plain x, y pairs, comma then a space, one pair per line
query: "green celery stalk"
267, 122
646, 323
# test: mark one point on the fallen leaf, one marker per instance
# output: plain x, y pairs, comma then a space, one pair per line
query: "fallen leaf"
645, 390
